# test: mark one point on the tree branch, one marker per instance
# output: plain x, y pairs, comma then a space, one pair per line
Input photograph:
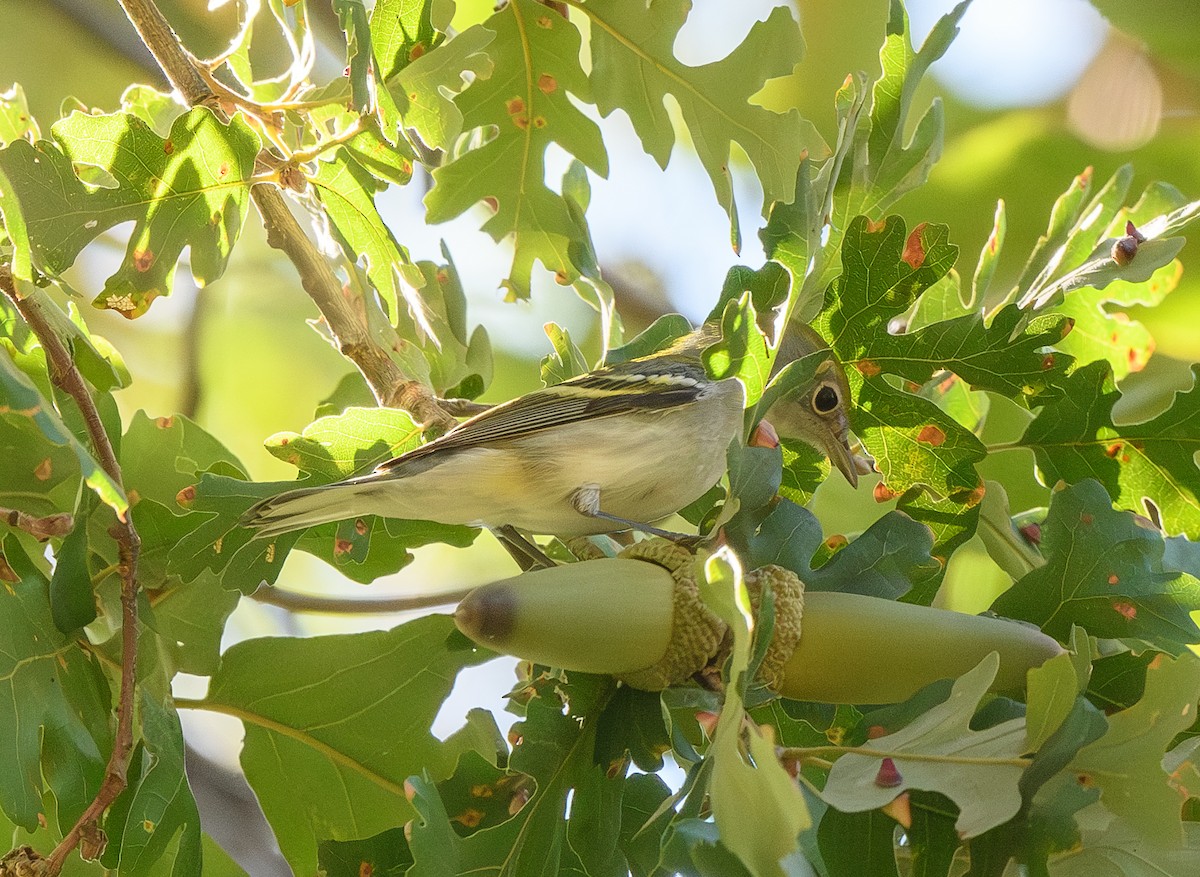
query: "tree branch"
66, 376
294, 602
41, 528
390, 385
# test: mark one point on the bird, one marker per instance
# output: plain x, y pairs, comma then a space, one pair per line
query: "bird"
615, 449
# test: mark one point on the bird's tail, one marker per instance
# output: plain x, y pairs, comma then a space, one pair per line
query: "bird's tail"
306, 507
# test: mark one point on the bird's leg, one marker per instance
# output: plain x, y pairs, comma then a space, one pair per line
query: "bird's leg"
527, 555
586, 501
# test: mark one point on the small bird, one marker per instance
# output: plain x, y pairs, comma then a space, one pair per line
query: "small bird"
614, 449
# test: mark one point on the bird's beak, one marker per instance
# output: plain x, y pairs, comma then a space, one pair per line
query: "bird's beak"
841, 457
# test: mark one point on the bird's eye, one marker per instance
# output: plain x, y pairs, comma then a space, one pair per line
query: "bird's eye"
825, 400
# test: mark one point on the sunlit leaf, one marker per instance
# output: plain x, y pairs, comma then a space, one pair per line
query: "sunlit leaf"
190, 190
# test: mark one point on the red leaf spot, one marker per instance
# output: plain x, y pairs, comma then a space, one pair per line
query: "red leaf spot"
168, 147
992, 244
1113, 578
547, 83
1125, 609
1067, 327
223, 169
836, 542
186, 496
561, 278
416, 51
142, 260
872, 226
342, 547
1048, 362
888, 776
545, 22
944, 386
44, 470
164, 422
764, 436
912, 386
469, 817
931, 435
1084, 779
1084, 178
1086, 519
521, 122
1113, 449
7, 573
1032, 533
482, 790
975, 497
876, 731
914, 249
492, 203
514, 106
883, 493
539, 122
443, 276
867, 368
360, 527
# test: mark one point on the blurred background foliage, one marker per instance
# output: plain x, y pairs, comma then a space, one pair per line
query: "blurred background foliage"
1034, 92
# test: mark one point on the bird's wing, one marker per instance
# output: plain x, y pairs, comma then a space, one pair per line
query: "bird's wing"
597, 394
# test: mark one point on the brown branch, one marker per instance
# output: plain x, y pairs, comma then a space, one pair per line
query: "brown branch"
41, 528
294, 602
348, 324
66, 376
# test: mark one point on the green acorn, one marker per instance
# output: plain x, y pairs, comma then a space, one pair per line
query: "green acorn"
639, 617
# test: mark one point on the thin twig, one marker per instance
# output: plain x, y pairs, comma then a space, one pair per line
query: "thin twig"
294, 602
802, 753
392, 388
40, 527
66, 376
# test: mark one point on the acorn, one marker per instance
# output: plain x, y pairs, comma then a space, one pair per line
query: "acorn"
639, 617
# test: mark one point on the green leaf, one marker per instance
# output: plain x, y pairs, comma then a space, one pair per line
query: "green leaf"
751, 779
536, 58
1126, 763
634, 68
72, 600
352, 16
1076, 438
887, 560
858, 844
1116, 851
554, 748
423, 90
1100, 333
54, 702
189, 618
190, 190
565, 361
329, 449
1104, 572
16, 122
157, 807
655, 337
323, 730
347, 191
885, 271
402, 31
22, 407
742, 351
984, 785
872, 166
